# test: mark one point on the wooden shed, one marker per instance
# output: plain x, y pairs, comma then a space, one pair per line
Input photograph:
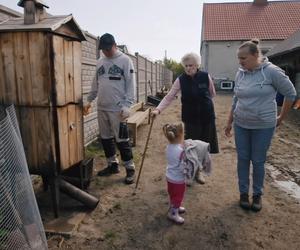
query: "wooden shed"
40, 72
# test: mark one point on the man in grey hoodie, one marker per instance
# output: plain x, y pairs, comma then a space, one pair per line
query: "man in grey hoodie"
114, 86
254, 113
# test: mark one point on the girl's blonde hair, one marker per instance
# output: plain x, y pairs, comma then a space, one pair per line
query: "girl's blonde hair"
173, 131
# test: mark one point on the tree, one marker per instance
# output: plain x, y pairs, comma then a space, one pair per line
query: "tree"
174, 66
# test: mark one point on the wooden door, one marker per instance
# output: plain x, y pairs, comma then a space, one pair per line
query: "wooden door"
70, 135
67, 70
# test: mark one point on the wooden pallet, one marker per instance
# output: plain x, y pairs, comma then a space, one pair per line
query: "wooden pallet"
139, 115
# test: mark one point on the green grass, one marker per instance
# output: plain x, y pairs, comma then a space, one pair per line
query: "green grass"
94, 150
110, 235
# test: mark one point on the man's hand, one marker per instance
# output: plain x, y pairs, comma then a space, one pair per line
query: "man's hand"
125, 113
87, 109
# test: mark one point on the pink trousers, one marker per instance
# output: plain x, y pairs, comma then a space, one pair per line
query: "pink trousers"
176, 193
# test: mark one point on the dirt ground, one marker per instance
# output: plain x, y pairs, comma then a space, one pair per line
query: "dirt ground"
213, 219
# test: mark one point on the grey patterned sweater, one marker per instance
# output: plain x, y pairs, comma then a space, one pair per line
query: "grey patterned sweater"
114, 83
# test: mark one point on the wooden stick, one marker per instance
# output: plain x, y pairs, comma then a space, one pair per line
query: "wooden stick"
144, 154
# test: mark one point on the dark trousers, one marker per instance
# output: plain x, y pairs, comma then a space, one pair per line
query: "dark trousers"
205, 132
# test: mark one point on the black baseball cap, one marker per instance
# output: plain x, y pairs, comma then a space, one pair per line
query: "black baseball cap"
106, 41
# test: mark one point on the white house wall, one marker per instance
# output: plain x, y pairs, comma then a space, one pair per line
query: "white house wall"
219, 57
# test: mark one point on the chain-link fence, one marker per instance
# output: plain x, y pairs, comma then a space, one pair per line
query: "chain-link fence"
20, 222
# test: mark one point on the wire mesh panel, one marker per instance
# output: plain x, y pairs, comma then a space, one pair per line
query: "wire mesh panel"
20, 222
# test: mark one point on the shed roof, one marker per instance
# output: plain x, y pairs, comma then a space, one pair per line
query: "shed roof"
37, 2
50, 24
289, 45
9, 11
243, 21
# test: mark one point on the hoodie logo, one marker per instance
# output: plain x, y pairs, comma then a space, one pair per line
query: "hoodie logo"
101, 71
115, 70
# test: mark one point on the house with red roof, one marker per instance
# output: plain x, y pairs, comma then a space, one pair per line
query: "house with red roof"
225, 26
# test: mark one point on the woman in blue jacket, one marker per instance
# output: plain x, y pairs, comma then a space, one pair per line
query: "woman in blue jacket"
254, 114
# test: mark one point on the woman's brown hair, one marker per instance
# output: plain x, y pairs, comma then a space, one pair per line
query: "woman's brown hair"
252, 45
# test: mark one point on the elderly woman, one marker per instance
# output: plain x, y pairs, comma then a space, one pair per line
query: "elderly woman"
254, 115
197, 110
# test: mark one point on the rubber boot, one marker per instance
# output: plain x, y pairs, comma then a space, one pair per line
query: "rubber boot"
130, 172
127, 158
111, 158
174, 216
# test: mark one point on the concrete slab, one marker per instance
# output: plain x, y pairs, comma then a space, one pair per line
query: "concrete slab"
65, 225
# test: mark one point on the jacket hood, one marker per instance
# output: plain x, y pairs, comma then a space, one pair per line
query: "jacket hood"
190, 144
258, 70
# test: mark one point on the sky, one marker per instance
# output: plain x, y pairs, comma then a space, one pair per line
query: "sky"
153, 28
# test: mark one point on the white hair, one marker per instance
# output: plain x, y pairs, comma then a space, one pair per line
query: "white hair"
191, 56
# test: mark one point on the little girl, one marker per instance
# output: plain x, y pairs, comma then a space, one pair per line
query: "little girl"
185, 159
175, 171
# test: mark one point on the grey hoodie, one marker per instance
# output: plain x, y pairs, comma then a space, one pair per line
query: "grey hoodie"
254, 104
196, 157
114, 83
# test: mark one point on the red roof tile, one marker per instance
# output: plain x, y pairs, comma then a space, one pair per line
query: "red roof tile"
243, 21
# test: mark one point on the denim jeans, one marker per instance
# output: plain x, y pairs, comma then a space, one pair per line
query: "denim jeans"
252, 145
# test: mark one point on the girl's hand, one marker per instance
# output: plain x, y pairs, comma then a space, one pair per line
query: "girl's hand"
155, 113
228, 130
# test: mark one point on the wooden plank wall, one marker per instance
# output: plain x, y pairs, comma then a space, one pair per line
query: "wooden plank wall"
25, 64
36, 126
26, 80
8, 80
38, 135
25, 67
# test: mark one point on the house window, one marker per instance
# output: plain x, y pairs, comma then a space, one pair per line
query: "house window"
226, 85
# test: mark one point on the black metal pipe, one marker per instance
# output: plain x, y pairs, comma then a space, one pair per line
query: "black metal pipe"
77, 194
